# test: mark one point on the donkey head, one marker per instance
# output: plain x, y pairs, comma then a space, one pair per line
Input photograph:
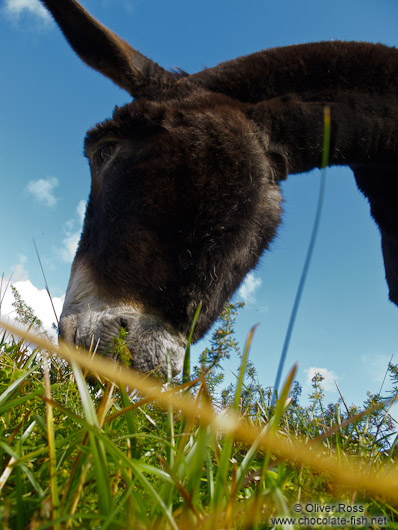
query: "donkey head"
185, 195
182, 203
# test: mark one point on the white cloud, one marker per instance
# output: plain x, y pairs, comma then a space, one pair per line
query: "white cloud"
15, 8
376, 366
329, 377
70, 242
34, 297
37, 299
20, 273
128, 5
248, 288
42, 190
81, 210
72, 229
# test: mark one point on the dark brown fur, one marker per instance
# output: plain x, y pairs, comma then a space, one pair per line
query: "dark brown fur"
186, 197
181, 221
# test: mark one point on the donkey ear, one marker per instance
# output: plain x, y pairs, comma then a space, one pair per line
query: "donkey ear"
315, 69
103, 50
287, 89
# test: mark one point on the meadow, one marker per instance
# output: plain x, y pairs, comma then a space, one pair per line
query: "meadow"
88, 443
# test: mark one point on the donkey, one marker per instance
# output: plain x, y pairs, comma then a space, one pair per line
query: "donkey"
185, 192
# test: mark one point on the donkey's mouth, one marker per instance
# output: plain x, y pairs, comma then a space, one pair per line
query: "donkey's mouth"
152, 347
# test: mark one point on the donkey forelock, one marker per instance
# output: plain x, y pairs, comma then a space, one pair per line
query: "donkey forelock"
185, 179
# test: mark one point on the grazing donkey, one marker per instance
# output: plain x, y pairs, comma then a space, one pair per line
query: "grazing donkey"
185, 190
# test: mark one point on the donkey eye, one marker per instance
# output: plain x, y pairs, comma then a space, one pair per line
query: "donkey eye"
106, 151
103, 154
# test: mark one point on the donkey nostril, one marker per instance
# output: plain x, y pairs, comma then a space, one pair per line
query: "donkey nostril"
124, 324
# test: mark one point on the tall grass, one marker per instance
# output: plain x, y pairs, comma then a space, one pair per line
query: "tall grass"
124, 451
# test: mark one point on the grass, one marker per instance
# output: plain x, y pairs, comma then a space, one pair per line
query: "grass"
121, 450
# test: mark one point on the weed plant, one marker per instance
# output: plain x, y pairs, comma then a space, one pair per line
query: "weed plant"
79, 452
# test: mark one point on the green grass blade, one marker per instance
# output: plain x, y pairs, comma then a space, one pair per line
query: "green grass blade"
29, 474
21, 522
97, 447
14, 386
310, 251
281, 403
170, 422
195, 460
51, 443
246, 350
121, 459
129, 496
186, 371
270, 426
209, 476
130, 421
16, 402
220, 486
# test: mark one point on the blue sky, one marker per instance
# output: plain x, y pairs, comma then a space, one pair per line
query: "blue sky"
346, 326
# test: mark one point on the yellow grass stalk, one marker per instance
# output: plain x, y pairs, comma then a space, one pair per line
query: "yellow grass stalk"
349, 473
51, 443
